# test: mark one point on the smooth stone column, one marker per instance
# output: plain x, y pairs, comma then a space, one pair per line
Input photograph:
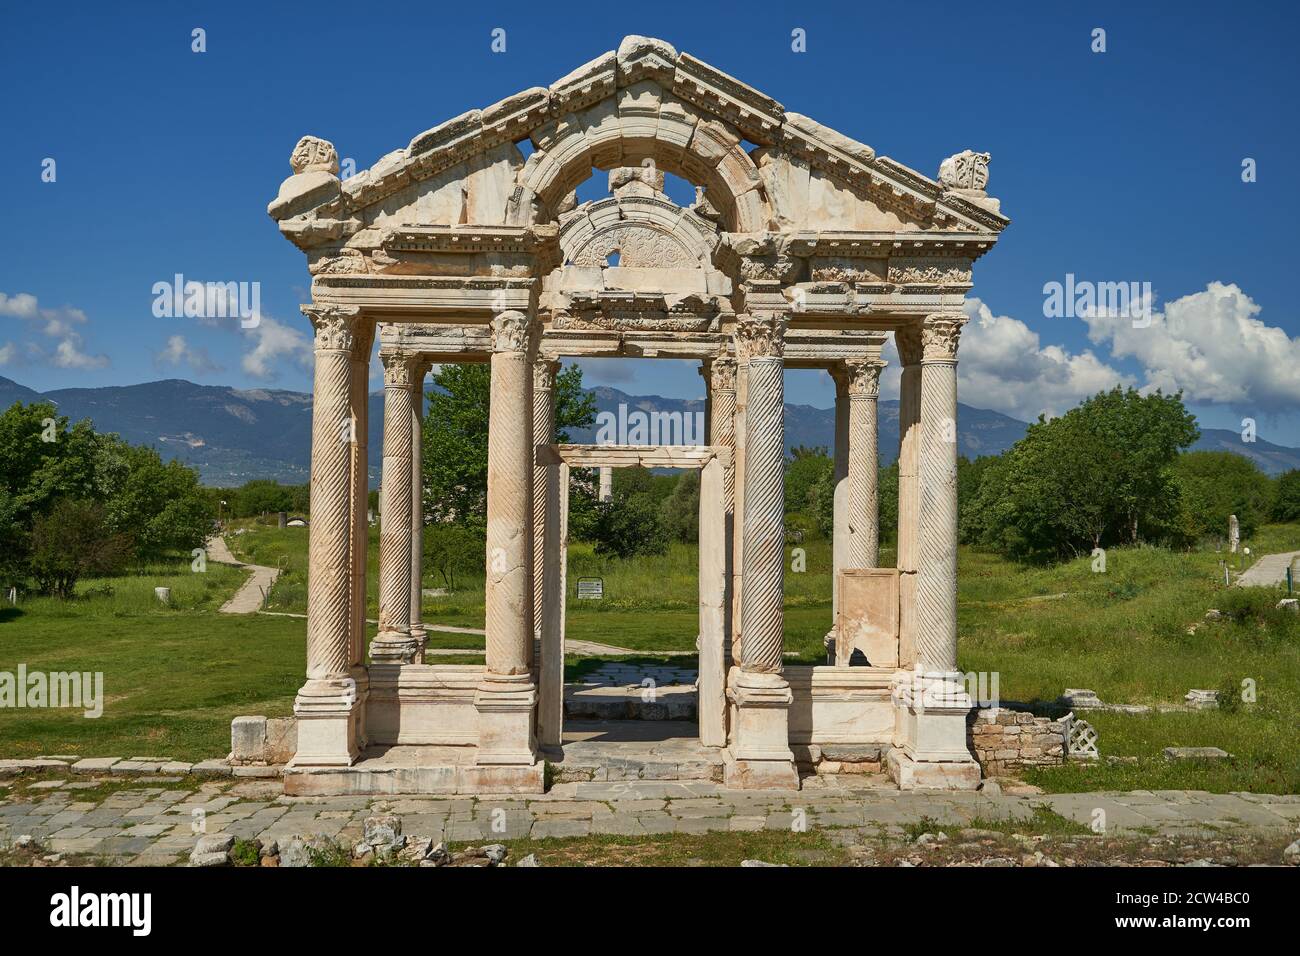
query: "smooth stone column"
908, 342
394, 643
507, 698
738, 500
545, 539
360, 490
606, 483
760, 755
934, 701
327, 706
862, 501
418, 633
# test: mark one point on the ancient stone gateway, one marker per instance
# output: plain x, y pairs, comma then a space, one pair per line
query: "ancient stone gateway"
803, 249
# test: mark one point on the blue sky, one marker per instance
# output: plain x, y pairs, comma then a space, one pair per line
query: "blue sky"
1117, 166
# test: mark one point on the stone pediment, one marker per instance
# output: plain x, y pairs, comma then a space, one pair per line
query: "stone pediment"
762, 169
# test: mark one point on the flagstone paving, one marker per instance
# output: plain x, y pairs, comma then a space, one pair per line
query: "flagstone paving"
144, 825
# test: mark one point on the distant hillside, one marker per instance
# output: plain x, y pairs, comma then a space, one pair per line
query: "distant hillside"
233, 435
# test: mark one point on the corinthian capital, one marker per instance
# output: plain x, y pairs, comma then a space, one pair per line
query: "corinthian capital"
544, 372
335, 325
401, 369
864, 378
940, 334
762, 335
722, 375
510, 332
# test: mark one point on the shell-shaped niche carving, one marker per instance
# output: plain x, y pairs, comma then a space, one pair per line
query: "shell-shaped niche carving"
636, 245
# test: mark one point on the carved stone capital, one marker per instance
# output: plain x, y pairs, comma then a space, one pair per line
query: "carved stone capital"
761, 336
864, 378
908, 342
313, 154
510, 332
967, 170
940, 335
401, 369
722, 375
336, 326
544, 372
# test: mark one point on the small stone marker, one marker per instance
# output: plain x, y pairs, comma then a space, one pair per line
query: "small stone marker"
1234, 534
164, 595
1080, 698
1289, 604
591, 589
1202, 699
1196, 753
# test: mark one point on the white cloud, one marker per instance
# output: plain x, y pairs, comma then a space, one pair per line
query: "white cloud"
275, 346
59, 324
179, 352
6, 353
1213, 347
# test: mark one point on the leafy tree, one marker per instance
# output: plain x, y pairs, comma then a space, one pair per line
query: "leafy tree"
823, 502
451, 550
72, 540
1213, 485
456, 436
628, 525
1286, 504
680, 511
804, 469
158, 504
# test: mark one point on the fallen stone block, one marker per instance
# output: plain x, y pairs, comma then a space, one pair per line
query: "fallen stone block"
1196, 753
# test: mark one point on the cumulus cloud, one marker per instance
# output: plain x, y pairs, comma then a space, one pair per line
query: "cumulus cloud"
275, 346
178, 352
6, 353
1214, 347
58, 324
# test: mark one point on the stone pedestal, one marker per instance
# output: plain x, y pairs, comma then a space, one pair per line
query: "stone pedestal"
330, 714
930, 749
760, 757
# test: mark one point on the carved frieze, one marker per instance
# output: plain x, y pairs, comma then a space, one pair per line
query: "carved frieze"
931, 270
637, 246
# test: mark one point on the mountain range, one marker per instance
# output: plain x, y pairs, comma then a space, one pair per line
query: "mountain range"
233, 435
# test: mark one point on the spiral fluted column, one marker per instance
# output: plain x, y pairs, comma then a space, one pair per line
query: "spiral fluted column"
544, 372
394, 643
936, 587
862, 503
722, 431
418, 633
908, 342
326, 703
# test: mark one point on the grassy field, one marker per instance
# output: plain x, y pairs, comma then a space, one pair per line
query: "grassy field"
175, 676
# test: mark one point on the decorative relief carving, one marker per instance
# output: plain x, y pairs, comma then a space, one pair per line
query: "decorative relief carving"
780, 268
940, 335
402, 369
864, 378
722, 375
347, 262
313, 154
965, 170
906, 270
847, 269
544, 372
638, 246
510, 332
761, 336
335, 325
637, 312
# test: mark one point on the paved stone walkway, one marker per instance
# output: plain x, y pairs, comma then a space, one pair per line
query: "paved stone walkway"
153, 823
251, 594
1268, 571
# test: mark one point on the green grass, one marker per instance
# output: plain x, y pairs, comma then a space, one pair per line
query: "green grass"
175, 676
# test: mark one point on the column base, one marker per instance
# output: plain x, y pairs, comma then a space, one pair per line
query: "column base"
507, 709
759, 757
421, 638
930, 751
331, 716
393, 647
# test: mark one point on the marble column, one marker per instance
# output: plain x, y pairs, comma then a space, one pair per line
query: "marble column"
738, 499
862, 504
760, 755
839, 514
507, 698
606, 483
722, 432
394, 644
360, 489
908, 342
933, 699
327, 706
418, 633
544, 548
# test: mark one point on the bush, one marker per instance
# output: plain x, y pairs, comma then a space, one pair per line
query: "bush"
1286, 506
680, 512
626, 526
73, 540
452, 550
